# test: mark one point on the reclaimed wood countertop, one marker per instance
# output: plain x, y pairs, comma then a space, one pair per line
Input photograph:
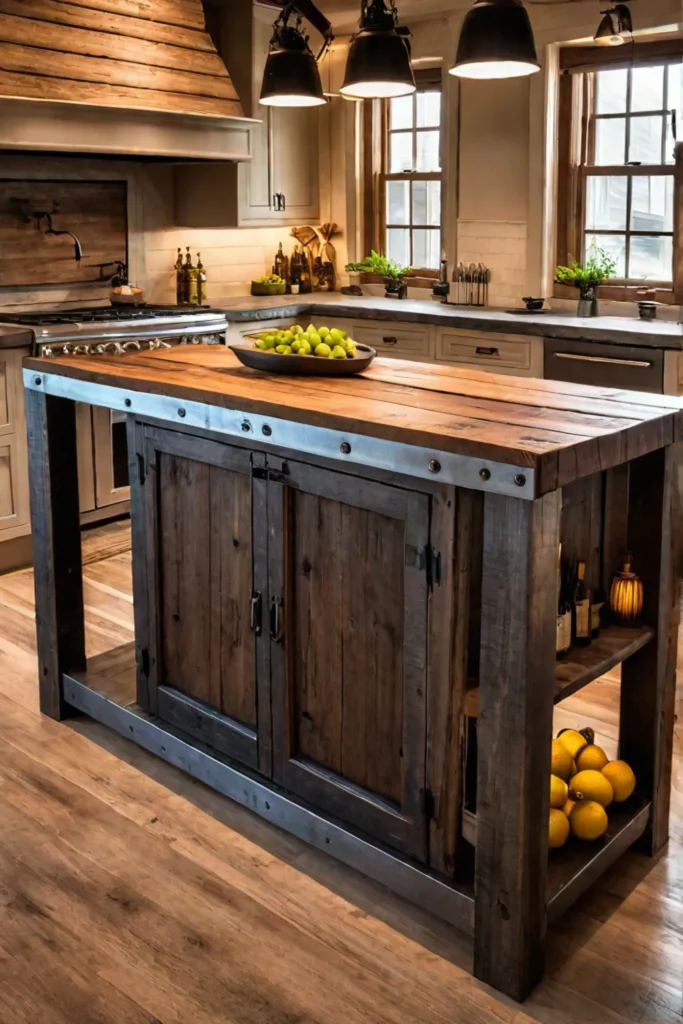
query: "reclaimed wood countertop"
563, 431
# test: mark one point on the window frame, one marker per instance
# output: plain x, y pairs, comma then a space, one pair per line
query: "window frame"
377, 134
577, 120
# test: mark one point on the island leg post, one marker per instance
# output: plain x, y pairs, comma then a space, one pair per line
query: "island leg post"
519, 611
55, 525
648, 682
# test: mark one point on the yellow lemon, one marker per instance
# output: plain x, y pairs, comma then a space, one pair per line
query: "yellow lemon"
561, 761
558, 829
588, 820
591, 785
574, 741
567, 809
621, 778
559, 791
591, 758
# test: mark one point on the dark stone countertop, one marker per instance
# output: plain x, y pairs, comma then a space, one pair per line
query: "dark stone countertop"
618, 330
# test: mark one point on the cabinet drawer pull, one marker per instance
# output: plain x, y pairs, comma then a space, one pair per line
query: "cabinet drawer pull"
481, 351
255, 613
276, 620
390, 341
601, 359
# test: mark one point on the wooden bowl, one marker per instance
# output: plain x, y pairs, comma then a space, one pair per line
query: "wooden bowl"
119, 298
303, 366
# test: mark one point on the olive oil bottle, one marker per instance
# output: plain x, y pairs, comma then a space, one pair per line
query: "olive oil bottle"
201, 280
180, 284
191, 294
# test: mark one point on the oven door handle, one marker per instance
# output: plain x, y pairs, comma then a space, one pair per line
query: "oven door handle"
602, 359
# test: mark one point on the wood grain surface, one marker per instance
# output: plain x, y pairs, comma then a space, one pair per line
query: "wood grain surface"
132, 894
564, 431
128, 52
96, 212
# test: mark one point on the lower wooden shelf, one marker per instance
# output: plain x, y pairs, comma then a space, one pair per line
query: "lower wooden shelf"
573, 868
583, 665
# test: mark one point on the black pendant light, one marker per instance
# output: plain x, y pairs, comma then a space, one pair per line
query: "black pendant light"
615, 26
291, 77
496, 41
379, 66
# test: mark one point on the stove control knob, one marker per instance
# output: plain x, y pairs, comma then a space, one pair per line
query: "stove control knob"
66, 349
164, 344
184, 340
197, 341
47, 352
100, 350
132, 346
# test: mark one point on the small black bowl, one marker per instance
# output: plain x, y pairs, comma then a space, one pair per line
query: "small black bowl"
533, 304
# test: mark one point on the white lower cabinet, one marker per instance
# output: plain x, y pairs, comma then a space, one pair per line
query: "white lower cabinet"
499, 353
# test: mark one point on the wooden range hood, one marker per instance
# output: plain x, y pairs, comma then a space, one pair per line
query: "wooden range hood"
133, 77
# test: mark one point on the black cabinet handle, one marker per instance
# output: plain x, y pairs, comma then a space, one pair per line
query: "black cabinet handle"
283, 202
276, 620
255, 613
487, 351
390, 341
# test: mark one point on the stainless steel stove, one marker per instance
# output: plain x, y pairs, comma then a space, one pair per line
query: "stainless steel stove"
118, 330
103, 481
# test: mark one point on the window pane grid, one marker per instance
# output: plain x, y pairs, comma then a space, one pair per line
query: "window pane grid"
629, 197
413, 182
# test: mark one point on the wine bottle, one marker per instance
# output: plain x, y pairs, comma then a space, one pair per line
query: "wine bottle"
191, 294
281, 264
597, 605
582, 608
201, 280
563, 634
179, 279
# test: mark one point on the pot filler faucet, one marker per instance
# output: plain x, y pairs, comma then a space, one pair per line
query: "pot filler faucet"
27, 213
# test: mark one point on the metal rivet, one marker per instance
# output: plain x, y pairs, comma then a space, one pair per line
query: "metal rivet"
485, 474
38, 381
127, 402
520, 480
182, 413
246, 427
434, 466
265, 429
345, 448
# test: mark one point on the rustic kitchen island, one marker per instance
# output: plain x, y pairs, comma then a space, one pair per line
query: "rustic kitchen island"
345, 607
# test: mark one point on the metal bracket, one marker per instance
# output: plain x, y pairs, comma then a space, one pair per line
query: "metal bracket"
345, 447
428, 560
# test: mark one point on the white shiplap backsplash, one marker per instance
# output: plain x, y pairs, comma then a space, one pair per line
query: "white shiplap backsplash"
502, 247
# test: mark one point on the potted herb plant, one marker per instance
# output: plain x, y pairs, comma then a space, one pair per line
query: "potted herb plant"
391, 270
598, 267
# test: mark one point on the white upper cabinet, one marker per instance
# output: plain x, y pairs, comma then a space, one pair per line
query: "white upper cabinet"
281, 183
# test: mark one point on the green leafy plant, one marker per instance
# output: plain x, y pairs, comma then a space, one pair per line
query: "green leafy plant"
598, 267
377, 264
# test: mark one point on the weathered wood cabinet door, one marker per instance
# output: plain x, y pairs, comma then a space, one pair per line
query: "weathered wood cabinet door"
204, 572
348, 623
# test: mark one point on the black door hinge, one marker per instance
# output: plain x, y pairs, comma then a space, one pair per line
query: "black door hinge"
427, 803
144, 662
428, 560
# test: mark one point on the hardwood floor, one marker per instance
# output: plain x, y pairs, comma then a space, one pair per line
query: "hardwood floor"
131, 894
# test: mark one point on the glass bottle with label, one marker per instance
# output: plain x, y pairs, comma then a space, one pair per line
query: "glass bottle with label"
597, 605
563, 634
179, 279
281, 264
201, 280
192, 294
582, 608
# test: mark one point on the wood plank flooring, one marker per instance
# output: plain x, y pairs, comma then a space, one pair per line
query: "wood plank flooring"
130, 894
